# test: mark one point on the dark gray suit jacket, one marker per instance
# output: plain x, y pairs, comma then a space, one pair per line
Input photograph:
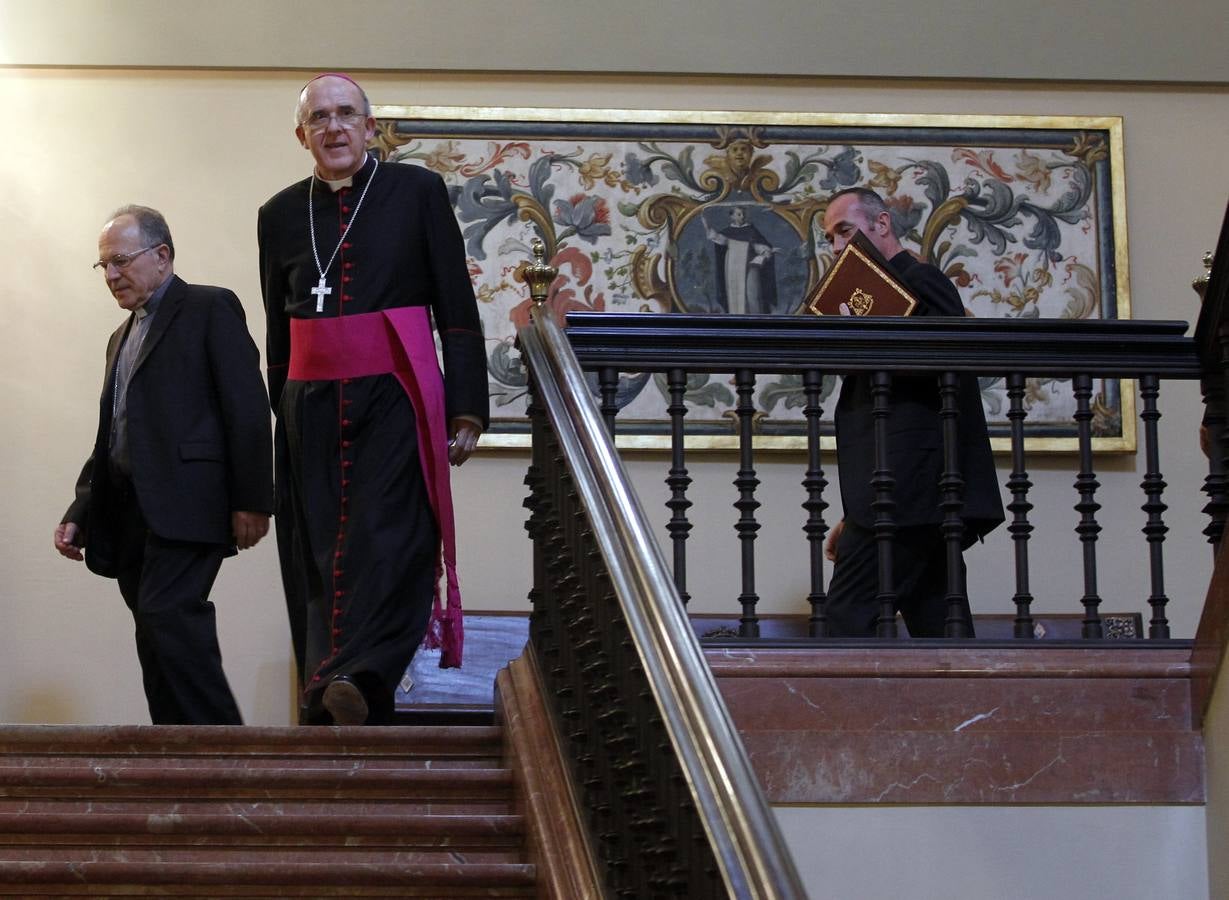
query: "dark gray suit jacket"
198, 428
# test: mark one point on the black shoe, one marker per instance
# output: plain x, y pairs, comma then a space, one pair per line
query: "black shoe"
345, 702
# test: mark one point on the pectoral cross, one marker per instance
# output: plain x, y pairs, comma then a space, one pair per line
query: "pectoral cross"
320, 290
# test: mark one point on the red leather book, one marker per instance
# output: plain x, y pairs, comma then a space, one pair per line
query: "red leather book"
860, 283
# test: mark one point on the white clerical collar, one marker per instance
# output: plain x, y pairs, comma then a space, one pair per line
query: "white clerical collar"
346, 182
150, 306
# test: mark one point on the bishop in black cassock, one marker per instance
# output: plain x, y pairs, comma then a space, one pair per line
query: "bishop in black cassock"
357, 537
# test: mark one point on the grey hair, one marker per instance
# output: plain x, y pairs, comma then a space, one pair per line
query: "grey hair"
872, 204
154, 230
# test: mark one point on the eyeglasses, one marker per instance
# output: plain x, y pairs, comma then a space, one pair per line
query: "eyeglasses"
346, 116
122, 260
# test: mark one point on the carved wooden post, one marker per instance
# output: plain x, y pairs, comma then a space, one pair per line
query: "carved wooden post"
1088, 528
951, 485
883, 483
678, 481
746, 482
1153, 485
814, 482
1019, 506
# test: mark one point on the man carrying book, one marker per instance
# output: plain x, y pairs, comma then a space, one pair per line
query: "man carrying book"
915, 454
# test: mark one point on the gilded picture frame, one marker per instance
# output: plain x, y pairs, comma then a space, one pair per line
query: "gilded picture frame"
1026, 214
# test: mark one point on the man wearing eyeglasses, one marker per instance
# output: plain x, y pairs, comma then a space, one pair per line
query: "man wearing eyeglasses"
181, 472
362, 264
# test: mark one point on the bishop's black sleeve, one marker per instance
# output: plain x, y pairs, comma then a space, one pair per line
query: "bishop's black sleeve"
455, 310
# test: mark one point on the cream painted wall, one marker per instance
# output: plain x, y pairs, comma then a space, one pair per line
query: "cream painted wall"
1049, 39
1005, 853
208, 147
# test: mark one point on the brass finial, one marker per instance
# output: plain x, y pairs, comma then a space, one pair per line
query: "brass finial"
1200, 284
538, 275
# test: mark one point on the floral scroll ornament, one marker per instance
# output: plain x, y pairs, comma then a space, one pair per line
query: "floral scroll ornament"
727, 220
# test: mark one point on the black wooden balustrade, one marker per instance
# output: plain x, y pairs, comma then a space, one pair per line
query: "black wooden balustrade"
808, 348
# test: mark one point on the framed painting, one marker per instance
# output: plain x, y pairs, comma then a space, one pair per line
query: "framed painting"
638, 210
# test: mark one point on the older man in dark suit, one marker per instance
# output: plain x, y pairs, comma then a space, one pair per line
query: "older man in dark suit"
915, 453
181, 472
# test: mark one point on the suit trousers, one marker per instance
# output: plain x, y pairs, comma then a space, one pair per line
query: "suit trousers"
919, 579
166, 585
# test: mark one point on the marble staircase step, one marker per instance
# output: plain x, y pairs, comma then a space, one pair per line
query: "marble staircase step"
52, 823
259, 812
437, 743
108, 875
22, 778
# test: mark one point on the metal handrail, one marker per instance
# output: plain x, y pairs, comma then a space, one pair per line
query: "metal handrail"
743, 833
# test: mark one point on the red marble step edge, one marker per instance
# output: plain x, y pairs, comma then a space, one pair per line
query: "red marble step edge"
219, 763
265, 824
414, 741
1034, 660
140, 858
164, 805
441, 876
266, 892
110, 778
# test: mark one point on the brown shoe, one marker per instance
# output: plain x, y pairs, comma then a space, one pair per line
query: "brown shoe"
345, 702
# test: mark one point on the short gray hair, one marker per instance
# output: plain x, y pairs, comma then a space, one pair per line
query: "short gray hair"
154, 230
872, 204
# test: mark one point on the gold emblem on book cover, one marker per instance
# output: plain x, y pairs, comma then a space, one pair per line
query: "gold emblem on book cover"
860, 303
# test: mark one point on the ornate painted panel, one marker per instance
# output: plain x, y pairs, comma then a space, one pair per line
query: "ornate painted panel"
719, 212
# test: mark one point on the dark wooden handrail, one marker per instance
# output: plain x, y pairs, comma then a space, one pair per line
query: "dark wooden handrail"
768, 344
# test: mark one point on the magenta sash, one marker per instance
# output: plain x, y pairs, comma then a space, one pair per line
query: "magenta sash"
398, 342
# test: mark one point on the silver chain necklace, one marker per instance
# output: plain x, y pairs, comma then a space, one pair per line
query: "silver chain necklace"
321, 288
